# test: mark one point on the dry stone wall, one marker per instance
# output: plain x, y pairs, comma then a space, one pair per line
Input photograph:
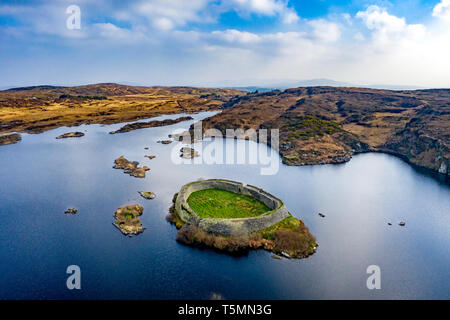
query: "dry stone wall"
231, 227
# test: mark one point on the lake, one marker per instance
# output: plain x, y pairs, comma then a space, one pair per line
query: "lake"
41, 177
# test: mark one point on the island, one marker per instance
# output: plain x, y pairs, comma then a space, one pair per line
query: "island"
70, 135
130, 167
127, 219
147, 195
71, 211
229, 216
150, 124
164, 141
188, 153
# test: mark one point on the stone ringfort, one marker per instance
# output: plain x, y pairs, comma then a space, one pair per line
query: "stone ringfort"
236, 226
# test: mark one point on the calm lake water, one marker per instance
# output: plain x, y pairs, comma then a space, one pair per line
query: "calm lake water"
41, 177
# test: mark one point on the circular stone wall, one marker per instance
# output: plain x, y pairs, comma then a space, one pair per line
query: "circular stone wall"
231, 227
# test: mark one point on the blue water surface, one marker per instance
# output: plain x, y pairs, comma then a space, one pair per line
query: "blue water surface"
41, 177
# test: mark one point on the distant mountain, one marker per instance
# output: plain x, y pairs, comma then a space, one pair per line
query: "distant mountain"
35, 88
264, 85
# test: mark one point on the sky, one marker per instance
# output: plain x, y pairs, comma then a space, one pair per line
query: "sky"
224, 42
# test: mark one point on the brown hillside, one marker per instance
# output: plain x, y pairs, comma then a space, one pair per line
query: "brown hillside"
37, 109
328, 124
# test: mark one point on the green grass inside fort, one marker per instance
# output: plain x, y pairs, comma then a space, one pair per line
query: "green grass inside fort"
215, 203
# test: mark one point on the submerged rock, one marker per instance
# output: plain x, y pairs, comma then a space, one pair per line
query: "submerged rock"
127, 219
147, 195
130, 167
71, 211
70, 135
10, 139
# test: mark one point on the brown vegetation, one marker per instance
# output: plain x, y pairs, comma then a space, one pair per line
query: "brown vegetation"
327, 125
37, 109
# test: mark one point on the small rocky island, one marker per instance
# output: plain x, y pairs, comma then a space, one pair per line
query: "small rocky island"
70, 135
150, 124
164, 141
188, 153
130, 167
10, 139
71, 211
147, 195
127, 219
232, 217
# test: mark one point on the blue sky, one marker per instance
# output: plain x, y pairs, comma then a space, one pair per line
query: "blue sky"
226, 42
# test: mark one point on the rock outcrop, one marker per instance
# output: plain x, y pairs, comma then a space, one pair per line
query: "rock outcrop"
130, 167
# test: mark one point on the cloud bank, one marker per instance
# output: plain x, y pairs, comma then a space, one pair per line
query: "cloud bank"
211, 43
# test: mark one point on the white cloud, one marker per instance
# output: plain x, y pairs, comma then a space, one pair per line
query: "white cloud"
387, 28
442, 10
166, 14
374, 46
379, 19
347, 18
236, 36
266, 8
325, 30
